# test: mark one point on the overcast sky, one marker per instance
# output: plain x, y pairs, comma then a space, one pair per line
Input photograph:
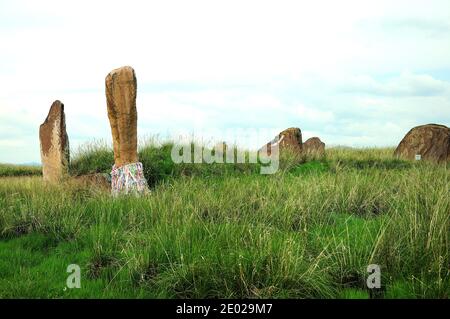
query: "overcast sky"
356, 73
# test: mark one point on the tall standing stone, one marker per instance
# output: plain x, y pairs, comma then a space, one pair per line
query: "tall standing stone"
127, 174
54, 143
429, 142
121, 88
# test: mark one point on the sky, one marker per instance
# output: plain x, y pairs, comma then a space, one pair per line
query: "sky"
354, 73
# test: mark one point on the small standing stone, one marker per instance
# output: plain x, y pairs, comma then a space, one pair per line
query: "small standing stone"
290, 138
54, 143
314, 146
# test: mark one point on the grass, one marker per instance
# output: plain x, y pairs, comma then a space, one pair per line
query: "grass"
19, 170
224, 230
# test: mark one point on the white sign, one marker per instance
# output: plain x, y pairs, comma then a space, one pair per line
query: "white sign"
418, 157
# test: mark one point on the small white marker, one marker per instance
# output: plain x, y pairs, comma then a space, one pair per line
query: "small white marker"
418, 157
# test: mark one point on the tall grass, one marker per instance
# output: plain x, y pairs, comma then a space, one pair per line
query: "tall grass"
19, 170
308, 231
92, 157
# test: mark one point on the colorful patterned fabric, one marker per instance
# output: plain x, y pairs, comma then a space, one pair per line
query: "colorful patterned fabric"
128, 179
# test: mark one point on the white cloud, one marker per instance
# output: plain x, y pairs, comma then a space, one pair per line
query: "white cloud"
407, 84
314, 115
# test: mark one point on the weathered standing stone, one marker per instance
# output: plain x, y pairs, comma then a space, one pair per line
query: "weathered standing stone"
314, 146
127, 175
121, 90
54, 144
431, 142
290, 138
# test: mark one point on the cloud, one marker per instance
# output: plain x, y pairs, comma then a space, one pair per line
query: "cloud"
314, 115
407, 84
409, 26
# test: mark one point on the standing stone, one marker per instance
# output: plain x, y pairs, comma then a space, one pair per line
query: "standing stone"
314, 146
54, 142
127, 174
431, 142
121, 90
290, 138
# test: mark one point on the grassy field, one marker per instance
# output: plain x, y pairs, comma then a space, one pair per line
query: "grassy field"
224, 230
19, 170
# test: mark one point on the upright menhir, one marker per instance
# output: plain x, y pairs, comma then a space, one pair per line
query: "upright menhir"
127, 173
54, 144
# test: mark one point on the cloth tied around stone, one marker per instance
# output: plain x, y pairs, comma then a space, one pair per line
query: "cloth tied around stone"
128, 179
